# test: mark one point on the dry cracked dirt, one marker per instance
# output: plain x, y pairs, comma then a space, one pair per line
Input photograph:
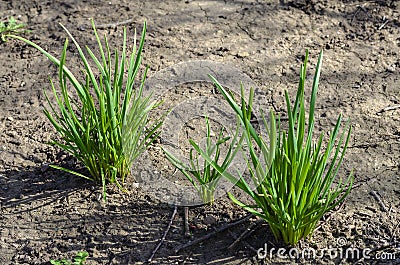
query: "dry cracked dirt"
48, 214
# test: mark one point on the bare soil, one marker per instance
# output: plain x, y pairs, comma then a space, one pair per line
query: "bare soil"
47, 214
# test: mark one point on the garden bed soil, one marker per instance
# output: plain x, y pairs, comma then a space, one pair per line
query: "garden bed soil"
48, 214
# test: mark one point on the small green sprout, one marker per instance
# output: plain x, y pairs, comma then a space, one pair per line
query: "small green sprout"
204, 177
11, 27
79, 259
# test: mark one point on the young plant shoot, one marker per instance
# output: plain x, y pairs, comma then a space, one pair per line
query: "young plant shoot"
293, 175
203, 176
80, 259
105, 106
11, 27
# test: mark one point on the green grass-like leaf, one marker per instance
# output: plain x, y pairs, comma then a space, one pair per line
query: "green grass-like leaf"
293, 175
204, 177
11, 27
108, 127
80, 259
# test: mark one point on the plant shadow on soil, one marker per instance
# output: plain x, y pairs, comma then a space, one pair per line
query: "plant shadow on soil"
64, 214
55, 206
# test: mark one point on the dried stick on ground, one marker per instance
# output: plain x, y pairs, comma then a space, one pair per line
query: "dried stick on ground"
384, 24
223, 228
186, 221
165, 234
379, 200
244, 242
389, 108
245, 233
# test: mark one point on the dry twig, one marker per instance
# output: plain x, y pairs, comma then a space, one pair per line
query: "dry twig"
223, 228
186, 221
379, 200
165, 235
245, 233
244, 242
384, 24
389, 108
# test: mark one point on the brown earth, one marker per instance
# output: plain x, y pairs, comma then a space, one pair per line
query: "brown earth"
47, 214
